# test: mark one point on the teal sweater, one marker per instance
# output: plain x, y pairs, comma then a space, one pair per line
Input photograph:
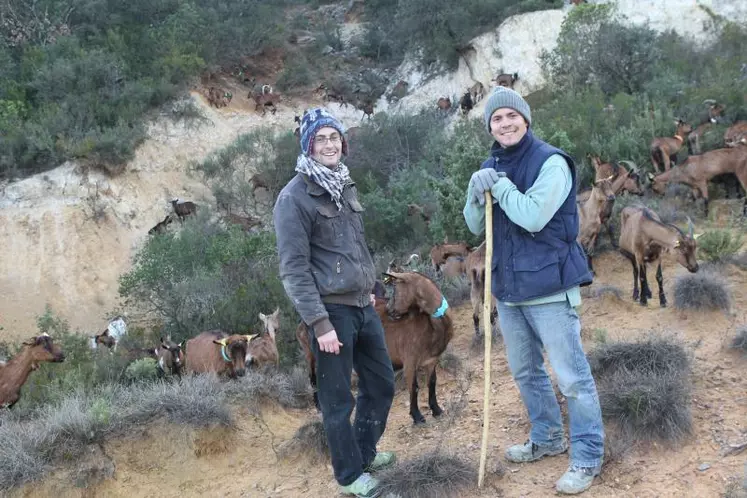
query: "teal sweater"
531, 211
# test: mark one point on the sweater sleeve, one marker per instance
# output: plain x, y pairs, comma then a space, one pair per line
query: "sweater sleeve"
474, 214
535, 208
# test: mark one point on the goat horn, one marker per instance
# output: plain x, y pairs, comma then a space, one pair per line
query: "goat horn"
249, 337
412, 257
609, 178
709, 101
633, 166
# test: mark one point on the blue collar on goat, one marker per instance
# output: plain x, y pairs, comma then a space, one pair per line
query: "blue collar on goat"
224, 354
441, 310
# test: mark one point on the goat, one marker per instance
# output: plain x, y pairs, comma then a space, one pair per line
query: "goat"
697, 170
417, 328
440, 252
367, 107
183, 208
465, 103
444, 103
476, 92
265, 99
663, 150
16, 371
476, 273
623, 180
216, 351
713, 116
736, 134
590, 216
332, 94
454, 266
170, 357
506, 79
394, 266
415, 210
161, 226
399, 90
643, 237
263, 349
245, 222
218, 98
110, 337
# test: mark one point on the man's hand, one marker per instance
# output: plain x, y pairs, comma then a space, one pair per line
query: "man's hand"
373, 299
482, 181
328, 342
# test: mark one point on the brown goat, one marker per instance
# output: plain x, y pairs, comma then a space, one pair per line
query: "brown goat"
16, 371
264, 349
416, 210
184, 208
367, 107
664, 150
697, 170
643, 237
440, 252
332, 94
218, 98
216, 351
736, 134
414, 337
476, 92
245, 222
506, 79
626, 181
161, 226
266, 99
170, 357
476, 273
454, 266
713, 115
444, 103
590, 216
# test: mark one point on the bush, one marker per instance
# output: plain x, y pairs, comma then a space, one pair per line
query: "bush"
432, 475
309, 440
719, 245
142, 369
704, 290
739, 342
645, 388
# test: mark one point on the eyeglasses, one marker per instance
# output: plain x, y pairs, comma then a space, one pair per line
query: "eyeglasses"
322, 140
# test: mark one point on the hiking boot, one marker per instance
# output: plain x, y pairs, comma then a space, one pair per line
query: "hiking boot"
382, 460
576, 480
530, 452
365, 486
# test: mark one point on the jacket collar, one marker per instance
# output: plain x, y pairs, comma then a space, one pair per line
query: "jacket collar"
315, 189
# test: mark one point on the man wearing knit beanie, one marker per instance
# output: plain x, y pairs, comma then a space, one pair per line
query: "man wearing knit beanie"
329, 275
538, 268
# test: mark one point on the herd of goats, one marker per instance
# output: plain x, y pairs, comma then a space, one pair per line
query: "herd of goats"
407, 300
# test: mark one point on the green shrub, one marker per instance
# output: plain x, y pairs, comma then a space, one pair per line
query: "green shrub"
719, 245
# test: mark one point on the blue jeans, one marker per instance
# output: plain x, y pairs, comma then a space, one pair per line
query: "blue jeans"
526, 329
353, 447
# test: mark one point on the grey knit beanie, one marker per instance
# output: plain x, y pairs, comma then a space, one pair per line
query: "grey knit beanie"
505, 97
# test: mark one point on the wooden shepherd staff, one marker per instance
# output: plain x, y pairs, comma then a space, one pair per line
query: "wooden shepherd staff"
487, 306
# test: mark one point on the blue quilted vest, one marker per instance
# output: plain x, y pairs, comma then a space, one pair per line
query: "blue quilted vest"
532, 265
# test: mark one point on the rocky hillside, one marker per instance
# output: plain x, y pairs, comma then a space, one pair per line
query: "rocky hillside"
67, 235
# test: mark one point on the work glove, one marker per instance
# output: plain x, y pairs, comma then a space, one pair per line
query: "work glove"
482, 181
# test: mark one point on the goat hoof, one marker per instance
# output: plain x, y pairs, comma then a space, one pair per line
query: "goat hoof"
663, 304
418, 419
437, 411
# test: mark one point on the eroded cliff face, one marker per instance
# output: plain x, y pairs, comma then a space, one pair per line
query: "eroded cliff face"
68, 234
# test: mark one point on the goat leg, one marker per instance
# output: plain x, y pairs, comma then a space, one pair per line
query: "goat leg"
610, 233
660, 281
432, 403
312, 381
411, 375
645, 292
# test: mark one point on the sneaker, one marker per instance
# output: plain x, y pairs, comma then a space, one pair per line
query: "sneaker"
576, 480
530, 452
382, 460
365, 486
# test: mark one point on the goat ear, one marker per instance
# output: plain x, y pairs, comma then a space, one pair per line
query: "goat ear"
181, 345
276, 313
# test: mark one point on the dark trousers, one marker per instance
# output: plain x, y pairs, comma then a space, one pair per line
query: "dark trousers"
353, 447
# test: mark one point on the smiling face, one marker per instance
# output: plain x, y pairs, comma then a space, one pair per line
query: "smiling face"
507, 126
327, 147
